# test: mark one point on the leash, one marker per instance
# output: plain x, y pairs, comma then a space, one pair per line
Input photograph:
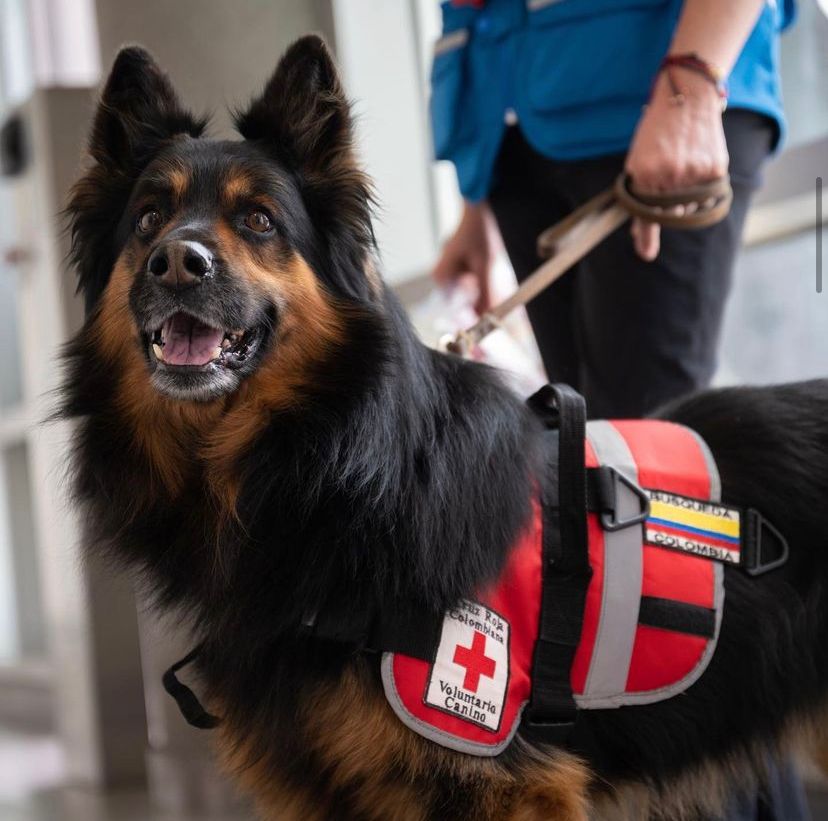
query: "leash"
571, 239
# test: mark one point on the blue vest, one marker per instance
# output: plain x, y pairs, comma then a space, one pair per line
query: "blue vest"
575, 72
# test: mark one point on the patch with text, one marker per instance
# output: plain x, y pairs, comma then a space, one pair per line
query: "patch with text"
470, 673
694, 526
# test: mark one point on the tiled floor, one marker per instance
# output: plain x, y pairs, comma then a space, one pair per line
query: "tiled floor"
72, 804
28, 764
32, 788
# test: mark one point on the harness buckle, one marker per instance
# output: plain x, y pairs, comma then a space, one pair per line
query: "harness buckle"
609, 479
757, 530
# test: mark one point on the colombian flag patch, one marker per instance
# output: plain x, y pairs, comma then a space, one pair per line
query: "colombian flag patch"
705, 529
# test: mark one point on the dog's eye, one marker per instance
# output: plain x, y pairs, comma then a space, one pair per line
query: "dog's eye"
258, 221
148, 221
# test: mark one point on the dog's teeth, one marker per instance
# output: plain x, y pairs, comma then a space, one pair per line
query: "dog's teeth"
159, 354
225, 343
218, 351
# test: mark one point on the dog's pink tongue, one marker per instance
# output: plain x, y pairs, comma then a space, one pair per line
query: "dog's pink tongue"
189, 342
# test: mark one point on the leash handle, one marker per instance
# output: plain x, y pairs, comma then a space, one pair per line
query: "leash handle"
701, 205
568, 241
581, 235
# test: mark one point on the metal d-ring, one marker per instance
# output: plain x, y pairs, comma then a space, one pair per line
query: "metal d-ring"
609, 519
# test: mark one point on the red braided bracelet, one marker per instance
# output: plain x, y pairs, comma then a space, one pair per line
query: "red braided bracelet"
692, 62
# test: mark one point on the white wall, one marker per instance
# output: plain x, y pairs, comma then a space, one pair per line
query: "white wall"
379, 51
9, 642
447, 200
217, 52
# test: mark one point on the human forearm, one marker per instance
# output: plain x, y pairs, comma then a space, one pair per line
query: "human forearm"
680, 140
716, 30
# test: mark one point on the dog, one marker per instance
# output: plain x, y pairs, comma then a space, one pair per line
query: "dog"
261, 436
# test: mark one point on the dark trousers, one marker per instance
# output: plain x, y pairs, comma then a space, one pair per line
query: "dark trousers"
628, 334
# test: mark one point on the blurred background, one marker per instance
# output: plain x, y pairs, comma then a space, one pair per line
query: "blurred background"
85, 730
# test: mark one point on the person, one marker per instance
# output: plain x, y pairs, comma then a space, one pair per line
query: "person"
541, 104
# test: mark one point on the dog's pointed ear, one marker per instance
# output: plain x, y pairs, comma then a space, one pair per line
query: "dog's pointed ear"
137, 113
304, 119
303, 111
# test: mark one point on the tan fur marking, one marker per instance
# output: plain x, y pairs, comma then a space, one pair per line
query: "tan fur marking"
179, 180
552, 788
310, 326
237, 186
163, 427
388, 771
814, 736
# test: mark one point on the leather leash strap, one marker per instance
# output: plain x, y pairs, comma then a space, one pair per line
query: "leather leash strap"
571, 239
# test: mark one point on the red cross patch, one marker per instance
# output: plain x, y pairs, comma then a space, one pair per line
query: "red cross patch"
471, 669
475, 660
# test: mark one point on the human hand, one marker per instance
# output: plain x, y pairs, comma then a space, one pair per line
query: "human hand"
470, 253
675, 146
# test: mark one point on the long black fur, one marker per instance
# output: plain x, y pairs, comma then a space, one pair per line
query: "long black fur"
404, 476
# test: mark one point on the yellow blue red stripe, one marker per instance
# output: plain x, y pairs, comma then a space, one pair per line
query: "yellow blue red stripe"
728, 526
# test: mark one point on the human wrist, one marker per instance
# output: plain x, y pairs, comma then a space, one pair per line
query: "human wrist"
477, 209
476, 214
689, 75
682, 88
477, 222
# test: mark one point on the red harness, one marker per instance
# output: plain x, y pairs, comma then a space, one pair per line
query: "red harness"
608, 598
651, 617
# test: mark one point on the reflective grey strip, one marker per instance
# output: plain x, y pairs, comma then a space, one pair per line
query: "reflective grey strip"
534, 5
623, 570
621, 698
431, 732
452, 41
683, 684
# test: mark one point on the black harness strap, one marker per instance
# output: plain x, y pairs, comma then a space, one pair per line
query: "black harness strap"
550, 715
415, 636
189, 705
678, 616
405, 630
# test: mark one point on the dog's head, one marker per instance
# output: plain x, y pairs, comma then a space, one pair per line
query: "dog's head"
204, 262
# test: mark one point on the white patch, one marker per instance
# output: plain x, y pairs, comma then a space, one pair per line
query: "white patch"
470, 673
693, 546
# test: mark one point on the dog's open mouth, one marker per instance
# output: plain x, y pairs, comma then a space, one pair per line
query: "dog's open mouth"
184, 341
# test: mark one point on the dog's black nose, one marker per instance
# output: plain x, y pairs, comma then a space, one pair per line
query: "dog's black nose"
180, 263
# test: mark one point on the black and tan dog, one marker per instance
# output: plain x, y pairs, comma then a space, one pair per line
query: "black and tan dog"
261, 435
